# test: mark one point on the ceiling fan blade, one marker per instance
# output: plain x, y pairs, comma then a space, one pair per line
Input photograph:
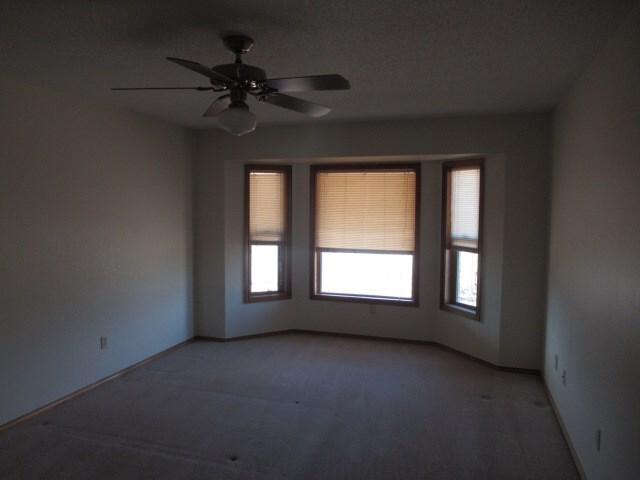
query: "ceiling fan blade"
166, 88
302, 84
297, 104
216, 107
202, 70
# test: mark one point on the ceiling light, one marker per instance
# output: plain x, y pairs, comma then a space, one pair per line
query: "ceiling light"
237, 119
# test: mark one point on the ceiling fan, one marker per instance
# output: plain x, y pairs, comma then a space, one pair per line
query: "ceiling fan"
241, 80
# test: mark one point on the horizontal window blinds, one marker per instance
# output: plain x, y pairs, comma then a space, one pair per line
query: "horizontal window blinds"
267, 206
366, 210
464, 201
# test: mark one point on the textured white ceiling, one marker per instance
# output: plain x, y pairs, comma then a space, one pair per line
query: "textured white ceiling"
403, 58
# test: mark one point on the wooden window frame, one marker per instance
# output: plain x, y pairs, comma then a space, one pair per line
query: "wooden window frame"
284, 250
448, 269
315, 272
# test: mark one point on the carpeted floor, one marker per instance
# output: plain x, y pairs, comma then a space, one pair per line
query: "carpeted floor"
298, 407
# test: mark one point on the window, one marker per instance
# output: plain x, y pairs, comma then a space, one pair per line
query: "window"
364, 233
268, 233
461, 237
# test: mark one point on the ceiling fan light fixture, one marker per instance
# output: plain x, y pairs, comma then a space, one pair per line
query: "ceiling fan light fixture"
241, 80
237, 119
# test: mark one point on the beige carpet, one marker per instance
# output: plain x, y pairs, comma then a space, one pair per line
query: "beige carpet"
298, 407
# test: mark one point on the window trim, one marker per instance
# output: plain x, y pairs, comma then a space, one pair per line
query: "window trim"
315, 263
284, 290
448, 260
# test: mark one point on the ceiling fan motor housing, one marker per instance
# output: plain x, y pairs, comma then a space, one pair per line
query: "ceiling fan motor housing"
240, 72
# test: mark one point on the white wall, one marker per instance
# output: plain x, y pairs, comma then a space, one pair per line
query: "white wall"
518, 150
593, 313
209, 242
95, 222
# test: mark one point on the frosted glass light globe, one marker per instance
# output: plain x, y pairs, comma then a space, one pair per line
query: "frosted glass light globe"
237, 119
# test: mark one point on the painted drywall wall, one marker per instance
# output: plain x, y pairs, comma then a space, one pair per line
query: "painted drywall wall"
209, 241
95, 218
593, 313
522, 141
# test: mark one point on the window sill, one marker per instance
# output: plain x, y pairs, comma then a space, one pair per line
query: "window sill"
363, 299
267, 297
460, 310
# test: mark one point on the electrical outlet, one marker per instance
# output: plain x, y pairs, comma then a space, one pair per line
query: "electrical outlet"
103, 342
598, 435
564, 377
556, 362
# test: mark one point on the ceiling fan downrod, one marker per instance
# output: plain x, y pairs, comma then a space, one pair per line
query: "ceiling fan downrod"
238, 44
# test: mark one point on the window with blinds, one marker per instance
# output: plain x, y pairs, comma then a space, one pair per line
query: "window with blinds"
461, 228
365, 232
268, 220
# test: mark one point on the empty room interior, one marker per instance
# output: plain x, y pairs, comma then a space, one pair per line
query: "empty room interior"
320, 240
